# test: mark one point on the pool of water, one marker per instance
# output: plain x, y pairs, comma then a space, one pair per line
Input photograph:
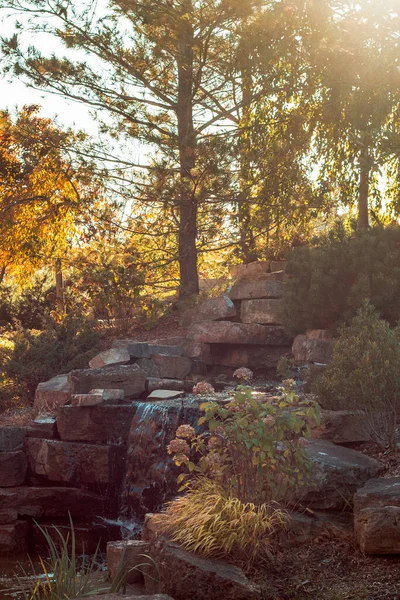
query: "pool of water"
17, 575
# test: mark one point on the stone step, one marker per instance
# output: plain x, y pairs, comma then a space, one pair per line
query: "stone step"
227, 332
103, 424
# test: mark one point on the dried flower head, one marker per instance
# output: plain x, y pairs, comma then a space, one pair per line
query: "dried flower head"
178, 446
203, 388
214, 442
243, 374
269, 420
185, 432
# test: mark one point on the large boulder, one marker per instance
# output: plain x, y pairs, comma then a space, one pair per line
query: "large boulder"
13, 468
257, 357
377, 516
184, 575
344, 427
263, 311
104, 424
314, 346
114, 356
127, 556
146, 350
129, 378
226, 332
52, 393
13, 537
269, 287
51, 502
213, 309
74, 463
198, 350
12, 438
174, 367
250, 271
337, 472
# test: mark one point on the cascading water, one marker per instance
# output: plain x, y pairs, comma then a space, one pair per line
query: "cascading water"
150, 472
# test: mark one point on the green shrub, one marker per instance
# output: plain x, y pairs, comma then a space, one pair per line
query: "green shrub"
211, 522
253, 447
329, 281
32, 356
365, 373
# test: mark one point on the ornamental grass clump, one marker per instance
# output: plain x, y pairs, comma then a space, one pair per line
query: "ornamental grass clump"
211, 522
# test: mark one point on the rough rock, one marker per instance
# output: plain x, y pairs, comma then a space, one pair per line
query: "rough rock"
13, 537
277, 266
127, 596
250, 271
154, 383
127, 556
129, 378
337, 473
267, 312
13, 468
51, 502
164, 395
110, 396
343, 427
52, 393
198, 350
267, 288
114, 356
12, 438
174, 367
8, 516
74, 463
257, 357
149, 367
86, 399
43, 426
213, 309
226, 332
377, 516
151, 529
146, 350
310, 348
306, 527
184, 575
104, 424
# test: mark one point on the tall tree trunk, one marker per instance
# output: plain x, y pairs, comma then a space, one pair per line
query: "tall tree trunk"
60, 304
2, 273
247, 242
363, 217
189, 281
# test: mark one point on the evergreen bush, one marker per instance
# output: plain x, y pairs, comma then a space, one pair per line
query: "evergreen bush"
329, 280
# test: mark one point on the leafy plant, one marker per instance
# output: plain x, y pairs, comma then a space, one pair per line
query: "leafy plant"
66, 575
253, 446
210, 521
329, 280
365, 374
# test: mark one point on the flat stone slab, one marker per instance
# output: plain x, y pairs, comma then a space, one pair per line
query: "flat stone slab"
227, 332
213, 309
13, 468
307, 349
267, 288
174, 367
52, 393
129, 378
264, 311
377, 516
154, 383
74, 463
164, 395
146, 350
12, 438
126, 555
103, 424
336, 474
43, 426
184, 575
51, 502
114, 356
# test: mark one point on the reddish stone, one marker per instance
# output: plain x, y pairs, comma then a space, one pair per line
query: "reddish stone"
12, 438
44, 426
307, 349
52, 393
13, 468
73, 463
266, 288
127, 557
114, 356
257, 357
226, 332
175, 367
267, 312
103, 424
129, 378
213, 309
13, 537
